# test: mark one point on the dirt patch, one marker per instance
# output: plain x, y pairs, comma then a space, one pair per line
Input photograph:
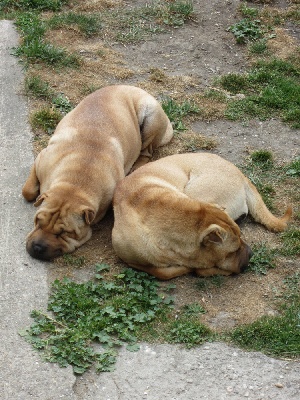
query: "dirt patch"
184, 62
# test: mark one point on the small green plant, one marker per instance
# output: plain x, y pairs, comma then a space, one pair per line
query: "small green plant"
104, 312
293, 169
193, 309
247, 30
261, 260
176, 112
62, 103
46, 119
248, 12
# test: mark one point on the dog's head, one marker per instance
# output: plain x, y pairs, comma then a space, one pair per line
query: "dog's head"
62, 224
222, 250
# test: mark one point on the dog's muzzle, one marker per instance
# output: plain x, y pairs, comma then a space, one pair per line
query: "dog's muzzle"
41, 251
245, 258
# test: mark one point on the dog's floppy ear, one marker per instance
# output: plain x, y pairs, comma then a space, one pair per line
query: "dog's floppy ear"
88, 215
213, 234
40, 199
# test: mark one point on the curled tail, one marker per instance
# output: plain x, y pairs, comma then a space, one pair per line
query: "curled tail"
260, 212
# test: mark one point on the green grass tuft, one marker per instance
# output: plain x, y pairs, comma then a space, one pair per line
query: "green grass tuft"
89, 25
46, 119
176, 112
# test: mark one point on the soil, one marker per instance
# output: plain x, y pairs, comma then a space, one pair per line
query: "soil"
193, 56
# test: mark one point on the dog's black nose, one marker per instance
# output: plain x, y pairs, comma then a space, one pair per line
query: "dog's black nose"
39, 248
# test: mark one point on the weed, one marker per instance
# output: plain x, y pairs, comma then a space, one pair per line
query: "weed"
261, 260
248, 12
293, 169
46, 118
89, 25
176, 112
193, 309
36, 87
62, 103
107, 313
247, 30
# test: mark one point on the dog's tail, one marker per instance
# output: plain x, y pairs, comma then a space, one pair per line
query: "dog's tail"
260, 212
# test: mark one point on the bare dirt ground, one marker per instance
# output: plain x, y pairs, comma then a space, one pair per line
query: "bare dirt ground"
191, 57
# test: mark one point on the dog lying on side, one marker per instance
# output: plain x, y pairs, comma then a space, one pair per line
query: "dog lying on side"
112, 131
176, 215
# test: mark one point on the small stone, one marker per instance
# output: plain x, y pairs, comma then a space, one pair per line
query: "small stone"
279, 385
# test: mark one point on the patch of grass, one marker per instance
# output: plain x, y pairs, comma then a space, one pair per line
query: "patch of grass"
46, 119
259, 47
262, 259
272, 89
74, 261
175, 13
35, 49
291, 242
262, 157
141, 22
36, 87
107, 313
189, 331
25, 5
207, 283
176, 112
89, 25
278, 335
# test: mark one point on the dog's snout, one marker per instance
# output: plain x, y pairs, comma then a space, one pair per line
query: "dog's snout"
244, 261
38, 250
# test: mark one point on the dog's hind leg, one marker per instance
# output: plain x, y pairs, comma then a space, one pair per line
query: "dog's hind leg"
156, 130
31, 188
260, 212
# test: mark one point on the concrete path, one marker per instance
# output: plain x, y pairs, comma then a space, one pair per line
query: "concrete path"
213, 371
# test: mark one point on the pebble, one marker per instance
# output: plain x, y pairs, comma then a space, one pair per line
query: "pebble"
279, 385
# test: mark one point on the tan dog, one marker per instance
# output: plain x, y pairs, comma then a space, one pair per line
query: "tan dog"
110, 132
169, 217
